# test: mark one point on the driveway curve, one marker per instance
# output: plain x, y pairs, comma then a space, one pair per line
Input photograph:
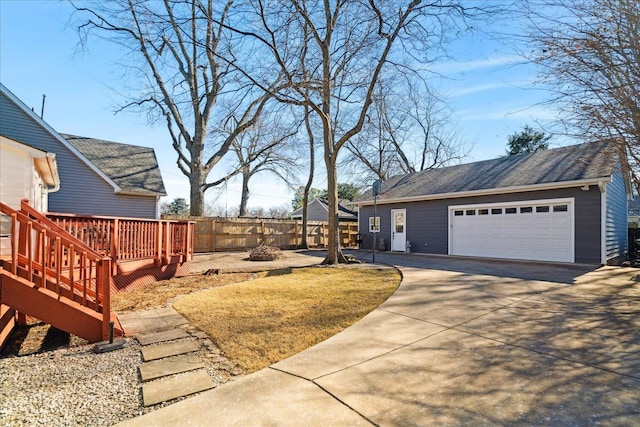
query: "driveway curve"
461, 342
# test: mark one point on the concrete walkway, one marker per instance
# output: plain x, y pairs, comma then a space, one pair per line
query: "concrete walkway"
461, 342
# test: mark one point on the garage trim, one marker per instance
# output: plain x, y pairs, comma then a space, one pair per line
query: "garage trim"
533, 202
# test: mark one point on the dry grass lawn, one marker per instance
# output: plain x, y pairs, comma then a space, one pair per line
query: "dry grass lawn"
260, 322
157, 294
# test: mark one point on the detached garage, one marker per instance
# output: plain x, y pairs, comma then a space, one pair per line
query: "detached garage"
567, 204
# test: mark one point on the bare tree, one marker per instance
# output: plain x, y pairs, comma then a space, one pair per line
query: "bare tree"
175, 47
265, 148
331, 55
589, 51
408, 129
307, 189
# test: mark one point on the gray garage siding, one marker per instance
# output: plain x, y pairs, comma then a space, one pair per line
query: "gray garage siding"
427, 221
82, 191
616, 218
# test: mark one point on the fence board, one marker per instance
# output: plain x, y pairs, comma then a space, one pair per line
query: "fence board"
241, 234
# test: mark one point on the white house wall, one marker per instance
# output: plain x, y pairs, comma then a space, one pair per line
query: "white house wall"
18, 180
17, 175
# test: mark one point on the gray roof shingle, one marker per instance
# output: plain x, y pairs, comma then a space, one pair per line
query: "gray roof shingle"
321, 214
132, 168
572, 163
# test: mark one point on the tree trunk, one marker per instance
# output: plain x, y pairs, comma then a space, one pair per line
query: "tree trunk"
305, 199
196, 202
244, 198
334, 254
304, 244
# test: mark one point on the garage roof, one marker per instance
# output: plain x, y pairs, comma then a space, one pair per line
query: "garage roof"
132, 168
576, 163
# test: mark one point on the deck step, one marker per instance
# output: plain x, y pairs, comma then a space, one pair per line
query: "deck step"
175, 386
167, 350
161, 336
169, 366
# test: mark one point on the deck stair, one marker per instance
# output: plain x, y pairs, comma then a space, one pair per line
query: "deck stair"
54, 277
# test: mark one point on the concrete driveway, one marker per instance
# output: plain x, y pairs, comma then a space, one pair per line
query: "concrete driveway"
461, 342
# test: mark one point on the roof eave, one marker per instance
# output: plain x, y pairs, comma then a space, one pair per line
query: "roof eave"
57, 136
489, 191
139, 193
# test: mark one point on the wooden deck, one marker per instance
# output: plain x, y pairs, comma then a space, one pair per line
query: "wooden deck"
62, 269
131, 243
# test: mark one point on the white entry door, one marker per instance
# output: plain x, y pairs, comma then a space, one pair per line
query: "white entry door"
398, 232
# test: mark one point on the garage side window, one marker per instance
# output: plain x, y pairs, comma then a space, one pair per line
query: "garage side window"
496, 211
483, 211
471, 211
458, 213
511, 210
560, 208
542, 209
526, 209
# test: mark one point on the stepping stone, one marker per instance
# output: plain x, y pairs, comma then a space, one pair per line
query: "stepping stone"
175, 386
169, 366
167, 350
156, 337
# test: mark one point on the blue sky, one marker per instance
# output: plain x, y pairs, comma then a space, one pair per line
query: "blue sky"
491, 92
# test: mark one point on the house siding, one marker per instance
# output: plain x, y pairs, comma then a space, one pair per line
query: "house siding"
428, 221
16, 176
82, 190
316, 211
616, 219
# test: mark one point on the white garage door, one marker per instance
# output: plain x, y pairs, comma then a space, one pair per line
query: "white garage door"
533, 230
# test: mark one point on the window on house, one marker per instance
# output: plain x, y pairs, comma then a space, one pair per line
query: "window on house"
483, 211
511, 210
542, 209
560, 208
526, 209
471, 211
458, 213
496, 211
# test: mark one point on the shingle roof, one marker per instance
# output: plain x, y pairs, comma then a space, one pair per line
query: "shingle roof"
343, 212
132, 168
572, 163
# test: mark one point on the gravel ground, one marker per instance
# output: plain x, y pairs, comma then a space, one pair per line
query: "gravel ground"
73, 386
49, 378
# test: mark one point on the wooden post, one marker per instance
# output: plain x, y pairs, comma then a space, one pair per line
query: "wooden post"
115, 245
103, 280
191, 229
213, 235
14, 243
158, 248
167, 243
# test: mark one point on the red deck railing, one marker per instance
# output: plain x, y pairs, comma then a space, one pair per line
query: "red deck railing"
42, 253
131, 239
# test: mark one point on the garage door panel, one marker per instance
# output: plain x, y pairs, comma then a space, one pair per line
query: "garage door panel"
538, 230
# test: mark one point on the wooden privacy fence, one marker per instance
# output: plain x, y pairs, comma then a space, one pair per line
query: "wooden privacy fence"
233, 234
